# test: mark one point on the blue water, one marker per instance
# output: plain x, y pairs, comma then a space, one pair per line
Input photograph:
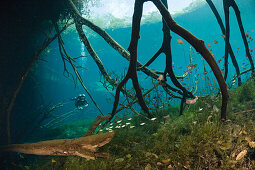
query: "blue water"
51, 87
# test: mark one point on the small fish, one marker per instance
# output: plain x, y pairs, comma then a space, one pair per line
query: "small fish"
53, 161
215, 42
132, 127
123, 125
128, 123
209, 45
153, 119
140, 73
142, 124
119, 121
129, 119
200, 109
223, 36
179, 41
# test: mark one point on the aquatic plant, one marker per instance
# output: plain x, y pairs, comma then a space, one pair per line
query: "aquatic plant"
196, 140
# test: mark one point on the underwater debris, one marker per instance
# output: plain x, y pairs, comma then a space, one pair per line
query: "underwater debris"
119, 160
129, 155
166, 117
166, 161
192, 101
160, 78
148, 167
159, 164
85, 147
215, 108
241, 155
179, 41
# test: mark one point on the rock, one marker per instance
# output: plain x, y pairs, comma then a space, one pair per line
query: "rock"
148, 167
119, 160
241, 154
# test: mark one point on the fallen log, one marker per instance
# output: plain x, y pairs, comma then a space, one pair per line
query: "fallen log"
85, 147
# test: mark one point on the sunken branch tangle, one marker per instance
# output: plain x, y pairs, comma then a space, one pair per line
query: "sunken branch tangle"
85, 147
166, 49
227, 4
230, 50
95, 57
80, 20
65, 56
199, 46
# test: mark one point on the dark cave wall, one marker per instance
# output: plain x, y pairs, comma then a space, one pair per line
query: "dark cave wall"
21, 26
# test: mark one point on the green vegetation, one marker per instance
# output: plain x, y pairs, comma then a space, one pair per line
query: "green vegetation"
197, 140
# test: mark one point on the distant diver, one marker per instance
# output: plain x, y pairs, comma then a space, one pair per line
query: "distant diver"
80, 102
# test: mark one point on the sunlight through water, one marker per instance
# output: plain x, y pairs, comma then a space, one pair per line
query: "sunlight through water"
118, 13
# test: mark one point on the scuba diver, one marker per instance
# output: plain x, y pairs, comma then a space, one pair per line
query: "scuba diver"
80, 102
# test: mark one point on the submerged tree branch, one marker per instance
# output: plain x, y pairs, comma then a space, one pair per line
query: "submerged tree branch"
69, 59
226, 5
201, 48
85, 147
114, 44
95, 57
230, 50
